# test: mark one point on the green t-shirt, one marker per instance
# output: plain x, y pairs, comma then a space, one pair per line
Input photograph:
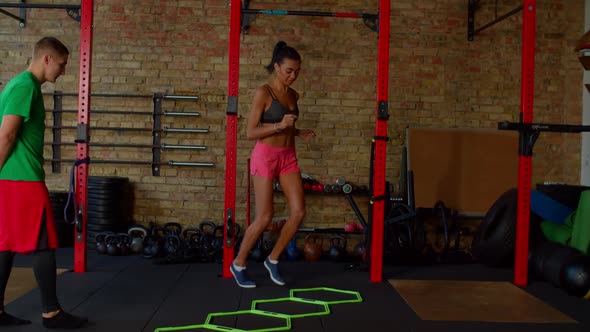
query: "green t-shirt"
22, 96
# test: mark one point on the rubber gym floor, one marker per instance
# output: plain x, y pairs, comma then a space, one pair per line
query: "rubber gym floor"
133, 294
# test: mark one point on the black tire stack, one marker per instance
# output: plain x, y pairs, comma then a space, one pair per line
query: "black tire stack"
110, 206
65, 231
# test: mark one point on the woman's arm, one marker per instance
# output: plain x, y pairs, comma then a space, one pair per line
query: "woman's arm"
306, 134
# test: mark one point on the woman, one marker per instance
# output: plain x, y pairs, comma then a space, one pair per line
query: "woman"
272, 123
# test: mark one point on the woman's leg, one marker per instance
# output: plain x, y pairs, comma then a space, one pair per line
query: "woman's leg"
263, 198
293, 189
264, 192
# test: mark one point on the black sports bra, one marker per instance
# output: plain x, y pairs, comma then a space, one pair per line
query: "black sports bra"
276, 111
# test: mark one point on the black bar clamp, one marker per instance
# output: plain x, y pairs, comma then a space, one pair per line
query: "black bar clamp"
381, 138
372, 22
82, 133
232, 105
383, 110
229, 229
377, 198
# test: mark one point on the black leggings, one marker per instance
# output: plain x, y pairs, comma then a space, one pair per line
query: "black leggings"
44, 267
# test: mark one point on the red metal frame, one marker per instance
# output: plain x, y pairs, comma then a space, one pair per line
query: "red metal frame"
83, 121
231, 143
376, 257
525, 161
248, 194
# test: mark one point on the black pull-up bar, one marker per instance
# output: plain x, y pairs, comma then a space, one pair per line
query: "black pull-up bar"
471, 9
39, 5
548, 127
11, 15
71, 9
529, 132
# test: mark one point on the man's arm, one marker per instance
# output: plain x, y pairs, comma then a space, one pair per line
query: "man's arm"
8, 131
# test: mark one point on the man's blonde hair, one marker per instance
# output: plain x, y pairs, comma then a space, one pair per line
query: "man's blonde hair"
51, 45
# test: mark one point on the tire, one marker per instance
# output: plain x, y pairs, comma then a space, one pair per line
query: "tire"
494, 242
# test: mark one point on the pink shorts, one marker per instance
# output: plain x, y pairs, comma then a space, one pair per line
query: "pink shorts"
271, 161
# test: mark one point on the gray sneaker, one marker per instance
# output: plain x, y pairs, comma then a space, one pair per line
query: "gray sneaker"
242, 277
273, 270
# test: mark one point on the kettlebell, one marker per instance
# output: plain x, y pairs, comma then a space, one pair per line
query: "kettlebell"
218, 239
350, 227
190, 237
159, 241
207, 239
111, 241
293, 253
267, 246
172, 247
123, 243
137, 234
152, 246
148, 243
337, 248
312, 249
172, 228
256, 253
101, 247
235, 234
359, 251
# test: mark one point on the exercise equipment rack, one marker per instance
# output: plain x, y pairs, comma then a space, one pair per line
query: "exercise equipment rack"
527, 130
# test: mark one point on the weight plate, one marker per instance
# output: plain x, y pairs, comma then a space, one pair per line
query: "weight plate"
104, 228
107, 221
107, 179
106, 216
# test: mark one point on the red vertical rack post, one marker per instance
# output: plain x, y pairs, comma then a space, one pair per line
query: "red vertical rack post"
231, 140
248, 194
376, 250
83, 134
525, 155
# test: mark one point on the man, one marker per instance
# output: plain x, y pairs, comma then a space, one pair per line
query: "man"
27, 225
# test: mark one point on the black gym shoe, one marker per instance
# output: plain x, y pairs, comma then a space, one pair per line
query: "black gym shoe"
63, 320
7, 319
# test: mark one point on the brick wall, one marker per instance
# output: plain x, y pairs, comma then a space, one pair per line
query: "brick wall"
437, 78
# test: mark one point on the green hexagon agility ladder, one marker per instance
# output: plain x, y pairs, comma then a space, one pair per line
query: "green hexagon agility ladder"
285, 318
